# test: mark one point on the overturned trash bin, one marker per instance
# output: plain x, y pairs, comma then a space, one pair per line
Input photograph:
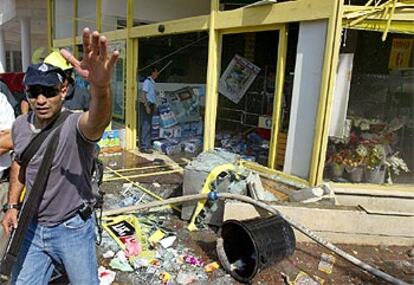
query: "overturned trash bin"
246, 247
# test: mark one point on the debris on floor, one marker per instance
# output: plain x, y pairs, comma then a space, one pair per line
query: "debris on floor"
304, 279
155, 247
326, 263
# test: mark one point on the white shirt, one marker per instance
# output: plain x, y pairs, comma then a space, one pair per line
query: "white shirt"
6, 121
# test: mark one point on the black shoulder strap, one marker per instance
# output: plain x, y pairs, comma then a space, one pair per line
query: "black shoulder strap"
30, 207
37, 141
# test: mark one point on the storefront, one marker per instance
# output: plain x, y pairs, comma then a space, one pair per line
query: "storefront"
264, 80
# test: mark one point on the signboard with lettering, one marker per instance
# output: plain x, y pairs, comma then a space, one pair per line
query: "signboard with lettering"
400, 54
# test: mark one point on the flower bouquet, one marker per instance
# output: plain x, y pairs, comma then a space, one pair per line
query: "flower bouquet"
355, 162
395, 165
375, 164
337, 163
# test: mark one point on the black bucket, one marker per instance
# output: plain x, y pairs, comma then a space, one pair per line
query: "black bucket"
246, 247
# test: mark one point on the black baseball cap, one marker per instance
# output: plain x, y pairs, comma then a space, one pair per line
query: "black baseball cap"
44, 74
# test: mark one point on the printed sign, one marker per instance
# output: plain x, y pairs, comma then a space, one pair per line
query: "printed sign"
400, 53
237, 78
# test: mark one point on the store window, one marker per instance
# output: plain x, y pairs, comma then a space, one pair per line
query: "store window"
118, 81
246, 88
62, 19
114, 15
86, 16
178, 113
372, 130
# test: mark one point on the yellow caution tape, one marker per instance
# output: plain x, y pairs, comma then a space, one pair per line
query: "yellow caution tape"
206, 189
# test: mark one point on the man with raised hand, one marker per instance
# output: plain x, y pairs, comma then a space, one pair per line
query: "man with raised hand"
62, 232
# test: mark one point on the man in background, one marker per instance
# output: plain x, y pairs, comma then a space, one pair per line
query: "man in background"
147, 107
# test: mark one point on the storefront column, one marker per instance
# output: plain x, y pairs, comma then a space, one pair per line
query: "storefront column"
26, 44
212, 80
305, 98
2, 50
131, 96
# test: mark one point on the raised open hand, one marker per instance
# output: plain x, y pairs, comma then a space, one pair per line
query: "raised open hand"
95, 66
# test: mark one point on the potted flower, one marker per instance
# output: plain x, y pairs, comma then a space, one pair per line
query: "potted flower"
354, 163
375, 167
395, 165
337, 163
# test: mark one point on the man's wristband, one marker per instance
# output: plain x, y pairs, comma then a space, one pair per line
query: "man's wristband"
10, 206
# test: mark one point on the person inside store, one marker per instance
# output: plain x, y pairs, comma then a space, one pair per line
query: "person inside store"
79, 97
64, 219
147, 107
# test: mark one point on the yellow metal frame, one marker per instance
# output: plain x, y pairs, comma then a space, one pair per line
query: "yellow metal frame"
249, 19
327, 86
277, 101
50, 18
273, 172
131, 126
214, 47
99, 15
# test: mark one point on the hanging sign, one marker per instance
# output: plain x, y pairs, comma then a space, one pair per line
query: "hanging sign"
400, 54
237, 78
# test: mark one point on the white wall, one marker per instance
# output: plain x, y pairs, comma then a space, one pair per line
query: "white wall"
7, 10
155, 11
305, 97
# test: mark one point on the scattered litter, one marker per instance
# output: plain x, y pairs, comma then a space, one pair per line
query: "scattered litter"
237, 265
132, 248
106, 276
411, 253
156, 237
184, 278
120, 262
190, 259
167, 242
165, 278
213, 266
326, 263
156, 184
304, 279
108, 254
286, 278
141, 262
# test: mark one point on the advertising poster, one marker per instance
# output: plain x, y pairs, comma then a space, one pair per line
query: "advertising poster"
237, 78
400, 53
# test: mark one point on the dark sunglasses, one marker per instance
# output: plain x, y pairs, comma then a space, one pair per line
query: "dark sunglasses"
34, 91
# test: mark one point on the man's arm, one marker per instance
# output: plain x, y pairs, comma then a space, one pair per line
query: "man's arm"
16, 185
6, 143
146, 104
96, 68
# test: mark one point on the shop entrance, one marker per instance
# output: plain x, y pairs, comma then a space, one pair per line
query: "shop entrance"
177, 118
246, 95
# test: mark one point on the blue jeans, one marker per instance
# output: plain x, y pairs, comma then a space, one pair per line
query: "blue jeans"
70, 244
145, 121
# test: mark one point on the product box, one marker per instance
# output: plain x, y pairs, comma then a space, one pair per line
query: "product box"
170, 133
110, 139
193, 145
